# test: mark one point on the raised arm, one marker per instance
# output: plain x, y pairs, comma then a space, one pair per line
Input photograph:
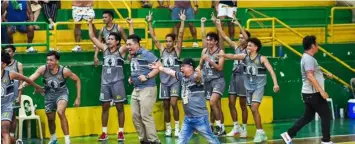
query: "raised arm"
268, 66
203, 33
152, 33
123, 34
20, 77
233, 56
221, 32
159, 67
96, 42
29, 12
236, 22
181, 32
130, 23
199, 67
219, 66
35, 75
76, 79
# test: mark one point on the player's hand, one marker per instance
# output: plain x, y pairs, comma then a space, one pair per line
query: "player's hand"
235, 21
91, 20
182, 15
39, 90
276, 88
96, 61
324, 94
77, 102
198, 69
129, 20
149, 16
203, 20
329, 75
154, 66
130, 80
195, 10
142, 78
213, 18
218, 22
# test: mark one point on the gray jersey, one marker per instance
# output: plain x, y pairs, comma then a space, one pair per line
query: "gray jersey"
169, 60
13, 66
238, 67
106, 32
7, 88
209, 72
196, 105
255, 73
54, 84
112, 68
309, 63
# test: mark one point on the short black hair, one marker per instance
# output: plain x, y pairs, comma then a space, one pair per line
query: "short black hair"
117, 36
213, 35
173, 36
54, 53
188, 61
110, 13
10, 46
256, 42
308, 41
5, 57
135, 38
248, 33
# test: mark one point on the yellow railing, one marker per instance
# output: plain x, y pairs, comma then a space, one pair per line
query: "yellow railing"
55, 34
118, 13
332, 25
274, 39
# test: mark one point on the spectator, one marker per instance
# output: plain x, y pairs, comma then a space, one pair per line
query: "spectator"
146, 4
81, 10
352, 83
36, 10
3, 28
190, 15
19, 11
227, 8
50, 11
348, 3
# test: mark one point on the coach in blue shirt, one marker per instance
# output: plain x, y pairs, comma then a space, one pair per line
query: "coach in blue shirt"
145, 90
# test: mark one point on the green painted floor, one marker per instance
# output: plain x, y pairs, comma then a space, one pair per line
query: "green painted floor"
342, 131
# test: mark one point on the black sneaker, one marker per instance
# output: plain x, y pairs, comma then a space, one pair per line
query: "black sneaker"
218, 131
212, 128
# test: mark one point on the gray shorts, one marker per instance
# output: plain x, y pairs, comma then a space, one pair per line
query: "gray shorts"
236, 86
255, 96
50, 101
214, 86
6, 112
113, 92
169, 91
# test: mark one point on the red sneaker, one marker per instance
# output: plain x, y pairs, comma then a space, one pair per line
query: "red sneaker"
120, 136
103, 137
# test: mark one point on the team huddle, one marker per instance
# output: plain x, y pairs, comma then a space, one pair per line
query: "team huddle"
195, 83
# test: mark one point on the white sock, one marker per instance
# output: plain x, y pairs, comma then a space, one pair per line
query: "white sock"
222, 126
235, 124
67, 140
167, 125
120, 129
104, 129
12, 134
218, 123
244, 126
260, 130
177, 124
53, 137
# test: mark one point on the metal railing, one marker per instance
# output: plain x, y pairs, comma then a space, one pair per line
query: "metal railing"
332, 25
56, 43
118, 13
47, 43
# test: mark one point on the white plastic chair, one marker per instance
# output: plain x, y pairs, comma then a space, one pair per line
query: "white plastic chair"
22, 117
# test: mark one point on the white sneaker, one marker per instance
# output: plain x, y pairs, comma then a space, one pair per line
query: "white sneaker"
31, 49
330, 142
195, 44
287, 139
234, 132
77, 49
177, 132
243, 132
168, 132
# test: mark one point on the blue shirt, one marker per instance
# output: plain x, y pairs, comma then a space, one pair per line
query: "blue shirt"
17, 15
140, 66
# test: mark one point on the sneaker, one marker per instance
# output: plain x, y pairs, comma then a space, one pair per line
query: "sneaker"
177, 132
19, 141
243, 133
212, 129
30, 49
259, 137
234, 132
168, 132
218, 131
120, 136
53, 142
103, 137
330, 142
195, 44
287, 139
77, 49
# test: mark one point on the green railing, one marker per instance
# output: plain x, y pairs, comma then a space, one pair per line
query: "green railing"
47, 43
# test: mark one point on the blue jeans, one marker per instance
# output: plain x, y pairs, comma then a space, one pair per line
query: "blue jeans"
189, 12
200, 124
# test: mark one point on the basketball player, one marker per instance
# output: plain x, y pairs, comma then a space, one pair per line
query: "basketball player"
105, 31
212, 69
112, 85
56, 93
14, 66
313, 93
170, 86
236, 87
255, 71
196, 114
8, 91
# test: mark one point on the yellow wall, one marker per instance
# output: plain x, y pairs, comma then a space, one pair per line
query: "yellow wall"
85, 121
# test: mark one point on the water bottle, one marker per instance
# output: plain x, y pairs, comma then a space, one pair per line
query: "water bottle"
281, 54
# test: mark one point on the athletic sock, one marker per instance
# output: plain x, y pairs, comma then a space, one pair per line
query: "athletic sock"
67, 139
53, 137
218, 123
177, 124
104, 129
235, 124
168, 126
120, 129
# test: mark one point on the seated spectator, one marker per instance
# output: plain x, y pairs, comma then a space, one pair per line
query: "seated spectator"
36, 10
348, 3
50, 11
81, 10
190, 15
19, 11
146, 4
3, 28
